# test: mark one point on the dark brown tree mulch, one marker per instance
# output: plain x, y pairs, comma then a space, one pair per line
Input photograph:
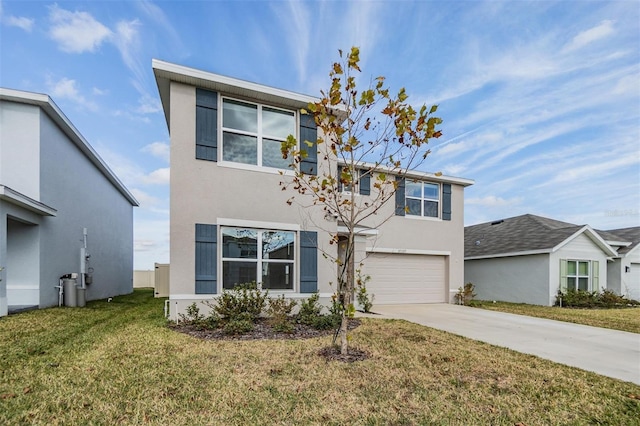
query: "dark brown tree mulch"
332, 353
261, 331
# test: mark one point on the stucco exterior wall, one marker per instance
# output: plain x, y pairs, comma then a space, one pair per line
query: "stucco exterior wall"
20, 148
210, 192
580, 248
517, 279
84, 198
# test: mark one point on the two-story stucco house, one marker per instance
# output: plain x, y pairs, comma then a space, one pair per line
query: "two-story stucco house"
230, 221
56, 193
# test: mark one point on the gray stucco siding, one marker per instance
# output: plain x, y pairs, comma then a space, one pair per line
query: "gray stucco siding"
84, 198
518, 279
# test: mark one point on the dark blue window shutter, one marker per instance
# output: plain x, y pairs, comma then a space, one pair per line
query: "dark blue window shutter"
446, 201
308, 132
206, 258
206, 125
308, 261
400, 201
365, 182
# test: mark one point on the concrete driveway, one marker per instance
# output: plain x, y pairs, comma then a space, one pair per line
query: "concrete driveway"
607, 352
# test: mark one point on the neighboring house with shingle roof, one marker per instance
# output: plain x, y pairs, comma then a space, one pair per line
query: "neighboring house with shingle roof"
623, 273
528, 258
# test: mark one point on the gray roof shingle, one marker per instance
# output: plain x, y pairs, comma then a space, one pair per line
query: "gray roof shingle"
631, 235
516, 234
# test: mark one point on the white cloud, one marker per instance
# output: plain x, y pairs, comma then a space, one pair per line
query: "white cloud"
66, 88
146, 200
148, 104
604, 29
157, 177
99, 92
493, 201
76, 32
158, 149
20, 22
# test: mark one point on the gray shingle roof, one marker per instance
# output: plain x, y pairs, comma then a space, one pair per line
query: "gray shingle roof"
516, 234
631, 235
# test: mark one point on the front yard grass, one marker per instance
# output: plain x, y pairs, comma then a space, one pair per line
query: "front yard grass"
624, 319
117, 363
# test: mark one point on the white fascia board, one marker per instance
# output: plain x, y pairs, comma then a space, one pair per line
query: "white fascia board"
407, 251
413, 174
358, 230
25, 202
55, 113
593, 236
512, 254
288, 295
166, 72
619, 243
257, 224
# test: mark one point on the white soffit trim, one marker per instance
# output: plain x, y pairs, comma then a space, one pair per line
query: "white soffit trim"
22, 200
415, 174
258, 224
57, 116
408, 251
513, 254
593, 236
358, 230
166, 72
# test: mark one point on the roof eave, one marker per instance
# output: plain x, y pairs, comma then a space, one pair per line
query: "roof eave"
55, 113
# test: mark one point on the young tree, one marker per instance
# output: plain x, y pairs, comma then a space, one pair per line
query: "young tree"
354, 145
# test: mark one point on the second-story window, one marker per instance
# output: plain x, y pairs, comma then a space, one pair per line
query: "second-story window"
252, 133
422, 198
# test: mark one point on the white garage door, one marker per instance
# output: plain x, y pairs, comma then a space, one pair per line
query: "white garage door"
632, 285
406, 278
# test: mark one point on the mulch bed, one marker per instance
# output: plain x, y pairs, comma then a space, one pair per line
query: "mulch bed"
263, 331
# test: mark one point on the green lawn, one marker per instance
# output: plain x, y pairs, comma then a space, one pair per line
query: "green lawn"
625, 319
116, 363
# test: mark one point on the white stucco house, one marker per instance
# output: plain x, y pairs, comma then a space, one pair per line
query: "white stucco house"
623, 272
230, 221
53, 187
529, 258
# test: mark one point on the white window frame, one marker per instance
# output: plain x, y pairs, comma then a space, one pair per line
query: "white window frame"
258, 135
259, 260
423, 199
577, 275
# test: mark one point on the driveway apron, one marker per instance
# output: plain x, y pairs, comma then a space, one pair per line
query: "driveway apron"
607, 352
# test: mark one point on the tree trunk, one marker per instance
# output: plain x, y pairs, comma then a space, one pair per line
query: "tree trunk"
347, 293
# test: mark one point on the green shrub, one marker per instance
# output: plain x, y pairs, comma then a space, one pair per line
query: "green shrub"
364, 298
465, 294
192, 316
309, 310
244, 301
239, 324
279, 313
310, 314
592, 299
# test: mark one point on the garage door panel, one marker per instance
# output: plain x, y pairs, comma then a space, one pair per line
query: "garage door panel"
402, 278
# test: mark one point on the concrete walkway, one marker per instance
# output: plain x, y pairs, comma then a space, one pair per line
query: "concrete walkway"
607, 352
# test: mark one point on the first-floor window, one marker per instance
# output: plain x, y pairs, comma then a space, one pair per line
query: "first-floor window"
264, 256
578, 275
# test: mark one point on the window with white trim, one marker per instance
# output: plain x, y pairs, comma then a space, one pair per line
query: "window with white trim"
253, 133
578, 277
422, 199
264, 256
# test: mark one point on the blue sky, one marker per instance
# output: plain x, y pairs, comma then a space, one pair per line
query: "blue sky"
540, 100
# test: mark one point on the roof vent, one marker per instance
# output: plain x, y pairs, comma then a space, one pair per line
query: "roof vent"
497, 222
478, 242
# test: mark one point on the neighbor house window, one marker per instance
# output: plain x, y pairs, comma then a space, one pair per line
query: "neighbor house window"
578, 275
252, 133
264, 256
422, 199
